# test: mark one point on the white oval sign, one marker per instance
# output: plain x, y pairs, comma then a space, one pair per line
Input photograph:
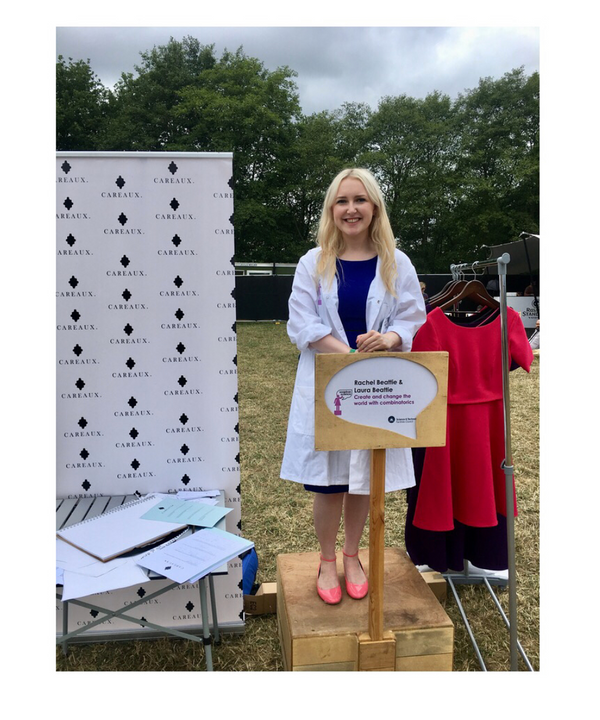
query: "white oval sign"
382, 392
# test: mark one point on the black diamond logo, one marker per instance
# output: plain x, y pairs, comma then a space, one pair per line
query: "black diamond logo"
179, 314
184, 449
80, 384
190, 606
230, 182
122, 218
82, 422
68, 203
237, 458
182, 381
77, 350
132, 402
235, 398
119, 182
172, 168
183, 419
94, 613
135, 464
84, 454
174, 204
126, 295
237, 428
70, 240
128, 329
180, 348
178, 281
85, 485
125, 261
65, 167
231, 218
233, 293
73, 282
133, 433
232, 261
235, 360
185, 479
234, 328
130, 363
141, 592
176, 240
239, 489
75, 315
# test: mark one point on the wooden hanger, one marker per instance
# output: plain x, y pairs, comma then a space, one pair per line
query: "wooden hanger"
474, 290
450, 290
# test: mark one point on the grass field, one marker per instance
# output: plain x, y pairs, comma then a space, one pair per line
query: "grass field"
277, 516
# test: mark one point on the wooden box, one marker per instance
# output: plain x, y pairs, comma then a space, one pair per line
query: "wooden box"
418, 635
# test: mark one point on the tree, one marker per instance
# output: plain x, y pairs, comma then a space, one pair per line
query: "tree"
142, 107
81, 105
497, 192
410, 150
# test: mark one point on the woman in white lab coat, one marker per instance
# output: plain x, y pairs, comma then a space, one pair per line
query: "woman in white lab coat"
355, 292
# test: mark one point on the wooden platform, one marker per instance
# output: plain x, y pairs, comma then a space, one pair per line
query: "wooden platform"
418, 635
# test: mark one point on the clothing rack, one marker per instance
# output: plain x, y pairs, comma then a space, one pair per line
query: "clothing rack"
464, 577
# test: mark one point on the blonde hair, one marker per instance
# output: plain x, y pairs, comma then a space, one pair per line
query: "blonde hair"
331, 241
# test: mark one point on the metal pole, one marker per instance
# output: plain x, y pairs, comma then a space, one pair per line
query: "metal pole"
205, 628
508, 468
506, 622
467, 625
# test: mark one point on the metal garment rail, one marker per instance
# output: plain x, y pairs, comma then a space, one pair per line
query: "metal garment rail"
511, 621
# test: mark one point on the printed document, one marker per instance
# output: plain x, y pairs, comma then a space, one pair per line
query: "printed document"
195, 556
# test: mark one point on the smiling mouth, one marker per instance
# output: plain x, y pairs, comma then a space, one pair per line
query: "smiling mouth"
352, 220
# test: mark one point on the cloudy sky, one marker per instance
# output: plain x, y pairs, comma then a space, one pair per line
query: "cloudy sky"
334, 64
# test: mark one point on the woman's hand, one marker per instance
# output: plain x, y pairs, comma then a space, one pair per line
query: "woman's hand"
376, 342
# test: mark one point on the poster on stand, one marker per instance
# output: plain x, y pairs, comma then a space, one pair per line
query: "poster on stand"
146, 352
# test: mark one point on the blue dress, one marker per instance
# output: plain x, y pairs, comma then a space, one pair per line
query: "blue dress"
354, 279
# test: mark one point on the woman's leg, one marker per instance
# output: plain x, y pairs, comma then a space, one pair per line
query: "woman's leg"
327, 512
356, 511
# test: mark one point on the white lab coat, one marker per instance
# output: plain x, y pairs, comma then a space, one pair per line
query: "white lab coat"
313, 314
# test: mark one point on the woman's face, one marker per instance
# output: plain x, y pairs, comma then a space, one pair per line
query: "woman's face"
352, 210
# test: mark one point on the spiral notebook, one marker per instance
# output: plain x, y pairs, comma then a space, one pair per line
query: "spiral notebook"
119, 530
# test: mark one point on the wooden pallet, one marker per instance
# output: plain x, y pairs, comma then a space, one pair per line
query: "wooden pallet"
418, 635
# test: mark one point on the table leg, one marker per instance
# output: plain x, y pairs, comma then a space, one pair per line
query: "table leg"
205, 627
213, 607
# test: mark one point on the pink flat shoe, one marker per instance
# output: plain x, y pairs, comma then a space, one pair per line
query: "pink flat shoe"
357, 591
332, 596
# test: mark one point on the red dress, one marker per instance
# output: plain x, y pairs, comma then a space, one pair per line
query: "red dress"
464, 479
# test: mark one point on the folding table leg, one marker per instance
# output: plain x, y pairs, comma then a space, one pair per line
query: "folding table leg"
213, 607
205, 628
65, 628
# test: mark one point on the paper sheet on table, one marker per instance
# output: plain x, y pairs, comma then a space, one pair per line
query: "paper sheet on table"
68, 557
189, 495
194, 513
124, 574
195, 555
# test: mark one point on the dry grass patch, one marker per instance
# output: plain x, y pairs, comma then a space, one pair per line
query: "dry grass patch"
277, 516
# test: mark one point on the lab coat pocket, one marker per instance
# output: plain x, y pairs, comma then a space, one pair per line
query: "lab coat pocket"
302, 418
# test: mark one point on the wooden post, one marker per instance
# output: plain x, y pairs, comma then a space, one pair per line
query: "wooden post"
376, 544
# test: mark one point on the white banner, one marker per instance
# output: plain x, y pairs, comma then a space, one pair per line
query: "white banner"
526, 307
146, 342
